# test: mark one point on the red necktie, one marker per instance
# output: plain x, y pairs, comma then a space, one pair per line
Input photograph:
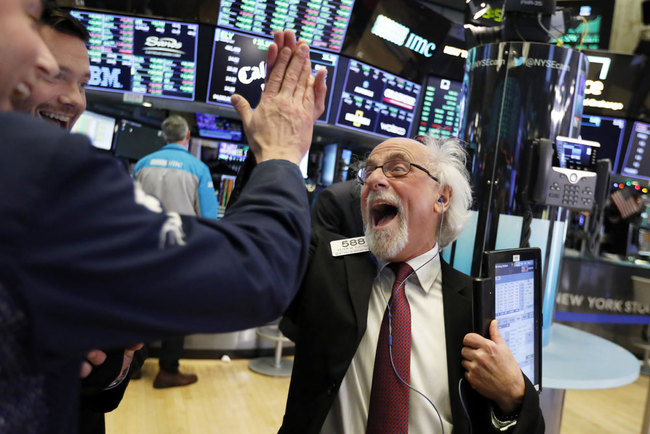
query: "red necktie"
389, 397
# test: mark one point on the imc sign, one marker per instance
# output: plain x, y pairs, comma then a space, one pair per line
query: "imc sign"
400, 35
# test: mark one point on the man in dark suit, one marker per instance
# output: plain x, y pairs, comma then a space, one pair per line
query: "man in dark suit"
414, 201
338, 209
84, 257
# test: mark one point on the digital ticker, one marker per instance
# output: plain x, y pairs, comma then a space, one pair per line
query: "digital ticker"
321, 23
141, 55
377, 102
239, 66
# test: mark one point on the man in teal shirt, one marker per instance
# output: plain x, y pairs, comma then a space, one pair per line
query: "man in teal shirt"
183, 184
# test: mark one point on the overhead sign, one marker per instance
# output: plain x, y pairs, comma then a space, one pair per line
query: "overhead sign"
402, 36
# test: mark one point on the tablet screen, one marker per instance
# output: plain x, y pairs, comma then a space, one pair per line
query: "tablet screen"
514, 308
517, 305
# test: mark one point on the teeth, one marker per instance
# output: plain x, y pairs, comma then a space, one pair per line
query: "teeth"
22, 91
56, 116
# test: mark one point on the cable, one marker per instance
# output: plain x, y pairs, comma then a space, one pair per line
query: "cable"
462, 402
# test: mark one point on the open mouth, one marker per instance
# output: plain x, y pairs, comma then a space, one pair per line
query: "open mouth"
382, 214
55, 118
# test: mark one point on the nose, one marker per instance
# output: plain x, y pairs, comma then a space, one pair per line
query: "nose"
377, 179
46, 66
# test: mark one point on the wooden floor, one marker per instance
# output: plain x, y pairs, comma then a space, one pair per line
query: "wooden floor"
229, 398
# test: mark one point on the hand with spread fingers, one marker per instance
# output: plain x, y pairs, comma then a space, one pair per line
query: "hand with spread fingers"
492, 370
281, 126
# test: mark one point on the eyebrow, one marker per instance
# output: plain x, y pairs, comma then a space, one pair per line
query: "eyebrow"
392, 156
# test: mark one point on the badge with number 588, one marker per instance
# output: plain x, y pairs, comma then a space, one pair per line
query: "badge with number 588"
349, 246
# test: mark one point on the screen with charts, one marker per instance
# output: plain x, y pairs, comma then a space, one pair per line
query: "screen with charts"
441, 108
514, 308
239, 65
608, 132
98, 128
141, 55
376, 101
637, 159
512, 294
321, 23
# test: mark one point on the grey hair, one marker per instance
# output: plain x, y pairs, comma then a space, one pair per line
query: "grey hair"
447, 162
174, 128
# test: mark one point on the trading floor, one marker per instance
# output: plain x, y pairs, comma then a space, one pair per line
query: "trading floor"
229, 398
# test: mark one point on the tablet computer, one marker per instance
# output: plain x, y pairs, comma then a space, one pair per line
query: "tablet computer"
512, 293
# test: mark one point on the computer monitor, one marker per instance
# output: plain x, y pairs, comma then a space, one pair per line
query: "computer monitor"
607, 131
148, 56
217, 127
514, 298
322, 24
134, 140
637, 160
441, 108
99, 128
239, 66
376, 101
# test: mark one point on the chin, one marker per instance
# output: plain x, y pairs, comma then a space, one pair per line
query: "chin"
386, 244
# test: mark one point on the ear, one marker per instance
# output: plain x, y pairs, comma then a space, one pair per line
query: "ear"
446, 193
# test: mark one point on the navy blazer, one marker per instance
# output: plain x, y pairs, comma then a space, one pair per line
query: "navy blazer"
327, 320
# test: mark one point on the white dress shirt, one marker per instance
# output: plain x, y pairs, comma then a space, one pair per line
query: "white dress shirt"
349, 412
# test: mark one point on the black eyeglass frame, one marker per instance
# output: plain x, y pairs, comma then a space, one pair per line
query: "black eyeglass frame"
361, 177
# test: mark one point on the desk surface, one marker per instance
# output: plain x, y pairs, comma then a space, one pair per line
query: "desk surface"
575, 359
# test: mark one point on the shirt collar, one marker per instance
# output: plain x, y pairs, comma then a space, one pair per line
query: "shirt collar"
175, 146
426, 266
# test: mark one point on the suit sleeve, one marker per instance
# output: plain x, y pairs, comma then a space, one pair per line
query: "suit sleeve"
98, 269
530, 418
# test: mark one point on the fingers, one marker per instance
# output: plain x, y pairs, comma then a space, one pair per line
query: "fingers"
305, 82
295, 69
86, 369
281, 39
96, 357
473, 340
243, 108
275, 76
320, 91
135, 347
271, 57
494, 332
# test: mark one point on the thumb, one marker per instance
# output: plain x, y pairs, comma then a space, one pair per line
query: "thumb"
494, 332
242, 106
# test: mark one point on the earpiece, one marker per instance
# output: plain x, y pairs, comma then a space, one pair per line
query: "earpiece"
441, 200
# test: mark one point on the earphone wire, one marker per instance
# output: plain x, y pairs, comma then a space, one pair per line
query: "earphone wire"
390, 316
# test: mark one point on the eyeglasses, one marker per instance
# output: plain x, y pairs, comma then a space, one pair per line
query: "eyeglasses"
391, 169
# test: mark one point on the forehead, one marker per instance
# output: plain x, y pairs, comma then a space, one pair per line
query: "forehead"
399, 147
68, 50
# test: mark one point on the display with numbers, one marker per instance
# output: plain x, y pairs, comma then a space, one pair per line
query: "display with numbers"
376, 101
637, 158
608, 132
99, 128
239, 66
141, 55
322, 23
441, 108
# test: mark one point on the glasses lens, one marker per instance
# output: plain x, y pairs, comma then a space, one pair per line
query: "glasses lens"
396, 168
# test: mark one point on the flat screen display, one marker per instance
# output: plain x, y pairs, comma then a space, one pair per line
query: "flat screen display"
517, 305
232, 151
376, 101
637, 159
322, 23
239, 66
441, 108
141, 55
217, 127
98, 128
575, 154
134, 140
594, 29
607, 131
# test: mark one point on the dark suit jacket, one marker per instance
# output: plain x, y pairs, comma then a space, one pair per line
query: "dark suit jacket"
338, 209
84, 266
327, 320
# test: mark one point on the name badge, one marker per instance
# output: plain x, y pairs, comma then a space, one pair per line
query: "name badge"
349, 246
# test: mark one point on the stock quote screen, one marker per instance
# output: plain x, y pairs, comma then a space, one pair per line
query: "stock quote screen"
440, 116
637, 163
141, 55
377, 102
239, 65
321, 23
